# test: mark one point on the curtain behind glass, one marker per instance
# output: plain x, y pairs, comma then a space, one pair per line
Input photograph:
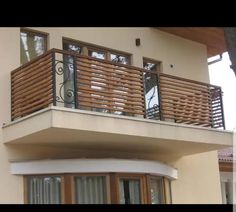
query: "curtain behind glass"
44, 190
130, 191
90, 190
134, 190
156, 191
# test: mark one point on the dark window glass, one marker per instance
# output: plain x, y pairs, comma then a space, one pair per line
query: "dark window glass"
130, 191
151, 89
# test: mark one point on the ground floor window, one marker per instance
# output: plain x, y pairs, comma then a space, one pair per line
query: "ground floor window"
130, 191
156, 190
44, 189
100, 188
90, 189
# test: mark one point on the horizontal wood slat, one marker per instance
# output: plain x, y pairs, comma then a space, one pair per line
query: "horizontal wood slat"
134, 98
102, 97
110, 76
110, 72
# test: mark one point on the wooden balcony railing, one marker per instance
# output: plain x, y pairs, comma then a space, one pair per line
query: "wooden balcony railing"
190, 102
67, 79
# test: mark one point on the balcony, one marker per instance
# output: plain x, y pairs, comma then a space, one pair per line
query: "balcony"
75, 99
71, 80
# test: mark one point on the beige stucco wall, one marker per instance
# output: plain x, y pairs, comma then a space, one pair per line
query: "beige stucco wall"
198, 180
10, 186
187, 57
198, 174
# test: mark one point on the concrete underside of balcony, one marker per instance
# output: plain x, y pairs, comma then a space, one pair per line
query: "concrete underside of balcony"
72, 128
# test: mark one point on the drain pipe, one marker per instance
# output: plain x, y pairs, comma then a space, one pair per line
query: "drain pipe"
215, 61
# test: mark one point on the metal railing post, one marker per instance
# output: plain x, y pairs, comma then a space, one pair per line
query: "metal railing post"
144, 95
159, 95
222, 109
75, 82
12, 119
54, 79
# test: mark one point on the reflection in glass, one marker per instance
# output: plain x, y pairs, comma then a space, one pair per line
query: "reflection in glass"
119, 59
72, 47
150, 66
97, 54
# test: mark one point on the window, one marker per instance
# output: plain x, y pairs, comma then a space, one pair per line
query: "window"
72, 47
90, 190
96, 51
32, 44
119, 58
151, 88
131, 188
97, 188
97, 54
44, 189
98, 102
156, 190
227, 189
130, 191
151, 65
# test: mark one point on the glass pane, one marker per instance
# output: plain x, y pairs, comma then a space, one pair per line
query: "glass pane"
32, 45
150, 66
44, 190
151, 90
130, 191
90, 190
68, 75
119, 59
151, 96
156, 191
72, 47
97, 54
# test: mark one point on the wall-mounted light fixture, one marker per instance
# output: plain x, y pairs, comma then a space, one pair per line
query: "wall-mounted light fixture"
137, 42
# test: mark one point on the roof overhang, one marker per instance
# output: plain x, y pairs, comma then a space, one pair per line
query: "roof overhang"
212, 37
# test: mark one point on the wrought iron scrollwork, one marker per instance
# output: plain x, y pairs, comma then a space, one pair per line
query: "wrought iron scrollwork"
66, 92
152, 111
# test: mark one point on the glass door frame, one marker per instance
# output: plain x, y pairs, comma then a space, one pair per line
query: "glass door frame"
129, 176
73, 189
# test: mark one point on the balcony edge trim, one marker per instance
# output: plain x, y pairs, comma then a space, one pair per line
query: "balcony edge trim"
93, 166
57, 108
